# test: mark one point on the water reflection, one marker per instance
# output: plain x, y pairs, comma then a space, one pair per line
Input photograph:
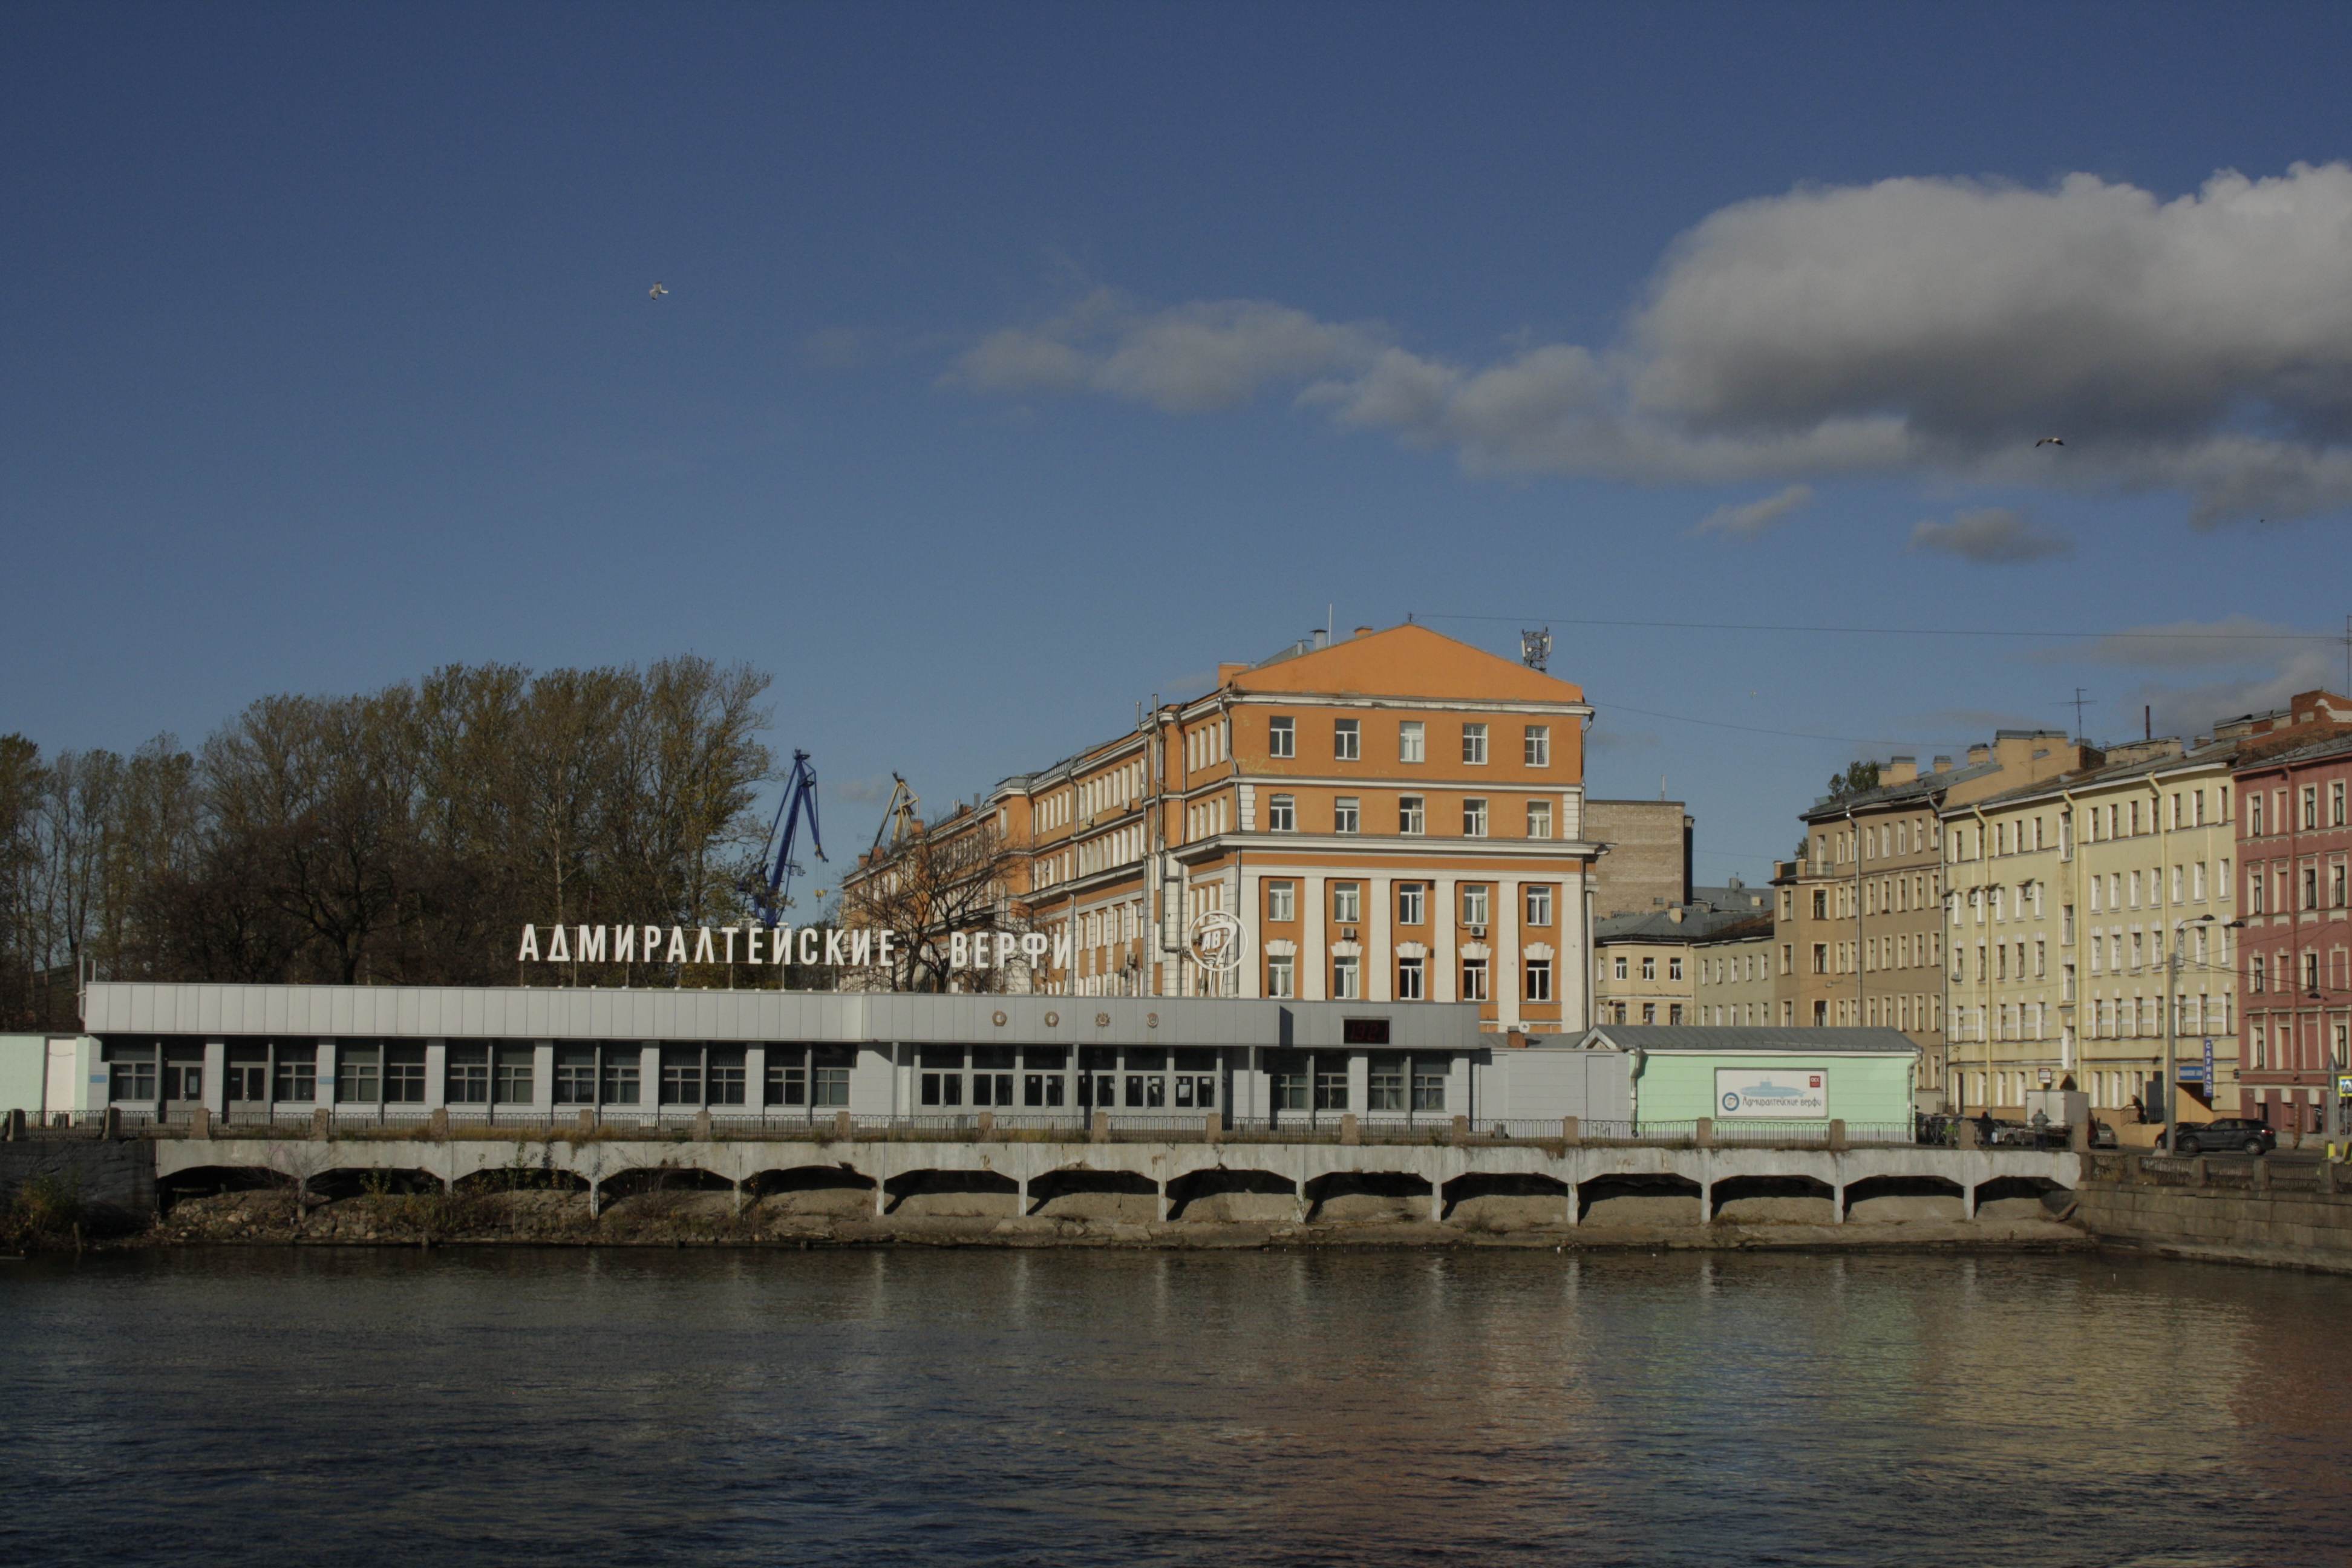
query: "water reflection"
497, 1406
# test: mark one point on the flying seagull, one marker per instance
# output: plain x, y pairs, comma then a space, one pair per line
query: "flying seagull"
2046, 441
657, 291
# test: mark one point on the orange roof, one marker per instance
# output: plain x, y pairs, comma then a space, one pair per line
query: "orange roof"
1409, 660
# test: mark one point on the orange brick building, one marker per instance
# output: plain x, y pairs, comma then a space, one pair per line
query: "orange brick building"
1395, 816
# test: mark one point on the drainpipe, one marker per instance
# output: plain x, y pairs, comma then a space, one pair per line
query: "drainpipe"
2162, 893
1853, 838
2070, 1044
1984, 974
1636, 1059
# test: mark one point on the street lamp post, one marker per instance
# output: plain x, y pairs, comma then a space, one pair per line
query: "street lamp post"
2171, 1090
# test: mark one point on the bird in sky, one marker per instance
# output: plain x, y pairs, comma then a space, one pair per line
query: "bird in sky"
657, 291
2046, 441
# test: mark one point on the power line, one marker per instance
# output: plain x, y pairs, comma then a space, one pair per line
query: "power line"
1753, 729
2330, 637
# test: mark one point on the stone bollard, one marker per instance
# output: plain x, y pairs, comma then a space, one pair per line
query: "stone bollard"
2328, 1175
1460, 1131
437, 1124
109, 1122
319, 1130
2078, 1137
1572, 1130
986, 1121
1837, 1135
200, 1121
588, 1120
2262, 1175
1703, 1135
1099, 1133
2197, 1171
702, 1126
845, 1131
1967, 1131
1212, 1127
1348, 1132
15, 1125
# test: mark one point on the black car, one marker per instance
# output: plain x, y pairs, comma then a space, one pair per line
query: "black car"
2230, 1132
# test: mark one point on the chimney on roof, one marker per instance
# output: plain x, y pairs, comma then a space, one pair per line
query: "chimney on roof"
1979, 754
1943, 765
1363, 631
1322, 637
1899, 770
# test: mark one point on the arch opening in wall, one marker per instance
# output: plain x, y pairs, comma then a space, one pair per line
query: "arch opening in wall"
1504, 1203
1238, 1197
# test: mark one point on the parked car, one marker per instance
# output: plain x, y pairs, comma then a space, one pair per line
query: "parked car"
2233, 1132
2103, 1136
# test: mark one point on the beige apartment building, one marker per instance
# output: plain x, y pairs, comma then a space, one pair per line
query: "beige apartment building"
2066, 896
1733, 974
1862, 929
1646, 967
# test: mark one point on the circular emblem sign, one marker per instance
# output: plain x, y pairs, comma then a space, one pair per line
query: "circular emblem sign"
1219, 941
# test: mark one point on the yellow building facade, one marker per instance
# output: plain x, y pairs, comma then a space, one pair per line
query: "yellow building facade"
2066, 897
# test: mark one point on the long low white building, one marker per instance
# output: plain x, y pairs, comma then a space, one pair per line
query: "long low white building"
525, 1056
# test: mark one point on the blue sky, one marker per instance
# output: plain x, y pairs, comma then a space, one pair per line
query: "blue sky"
1021, 362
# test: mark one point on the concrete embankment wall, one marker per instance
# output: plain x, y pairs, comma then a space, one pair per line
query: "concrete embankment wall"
114, 1180
2281, 1228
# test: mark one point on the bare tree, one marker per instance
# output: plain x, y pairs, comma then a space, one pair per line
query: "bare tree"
950, 877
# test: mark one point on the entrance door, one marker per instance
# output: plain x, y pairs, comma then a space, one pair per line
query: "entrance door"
61, 1080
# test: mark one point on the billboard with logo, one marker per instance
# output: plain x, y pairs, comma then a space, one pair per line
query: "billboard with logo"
1776, 1094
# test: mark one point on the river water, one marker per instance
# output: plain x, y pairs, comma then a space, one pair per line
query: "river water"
464, 1405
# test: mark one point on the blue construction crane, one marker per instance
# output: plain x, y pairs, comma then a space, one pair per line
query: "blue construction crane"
771, 900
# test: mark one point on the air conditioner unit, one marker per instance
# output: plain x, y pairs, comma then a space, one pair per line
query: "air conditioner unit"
1478, 931
1346, 933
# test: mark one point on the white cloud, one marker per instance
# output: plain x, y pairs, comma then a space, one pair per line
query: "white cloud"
2195, 709
1185, 359
1923, 326
1757, 516
1995, 536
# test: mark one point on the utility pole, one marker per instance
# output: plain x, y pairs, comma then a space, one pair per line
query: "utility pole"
2172, 1026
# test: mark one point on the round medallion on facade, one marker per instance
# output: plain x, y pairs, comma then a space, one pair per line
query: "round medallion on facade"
1151, 1020
1220, 942
1000, 1020
1102, 1020
1053, 1020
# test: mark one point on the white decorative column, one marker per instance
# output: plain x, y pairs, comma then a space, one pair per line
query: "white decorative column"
215, 1086
542, 1078
1572, 970
1379, 963
1444, 976
1505, 974
1315, 940
436, 1073
649, 1081
1250, 910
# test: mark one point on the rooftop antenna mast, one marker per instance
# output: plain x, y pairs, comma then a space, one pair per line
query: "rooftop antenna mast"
2080, 700
1535, 650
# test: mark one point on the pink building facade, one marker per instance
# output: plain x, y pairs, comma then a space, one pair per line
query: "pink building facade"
2294, 840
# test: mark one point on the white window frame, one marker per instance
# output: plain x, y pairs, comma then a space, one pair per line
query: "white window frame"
1412, 815
1539, 745
1412, 741
1282, 813
1347, 814
1474, 816
1282, 902
1347, 740
1282, 736
1474, 745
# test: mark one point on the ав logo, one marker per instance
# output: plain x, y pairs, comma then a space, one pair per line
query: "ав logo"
1220, 941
